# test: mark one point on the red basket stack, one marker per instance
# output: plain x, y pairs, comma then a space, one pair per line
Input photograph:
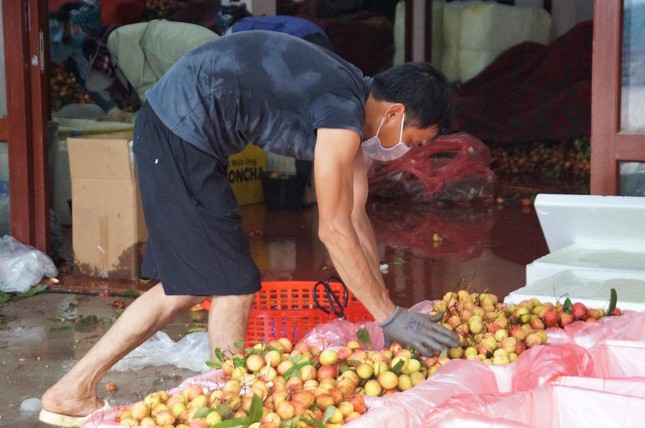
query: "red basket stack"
287, 309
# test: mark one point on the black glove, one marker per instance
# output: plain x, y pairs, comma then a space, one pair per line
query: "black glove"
420, 331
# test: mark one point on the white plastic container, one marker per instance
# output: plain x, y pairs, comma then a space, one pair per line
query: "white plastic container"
590, 286
596, 243
602, 233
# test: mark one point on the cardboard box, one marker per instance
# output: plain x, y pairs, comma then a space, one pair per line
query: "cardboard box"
244, 172
108, 228
108, 232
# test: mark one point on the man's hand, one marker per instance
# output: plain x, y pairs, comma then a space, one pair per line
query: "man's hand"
420, 331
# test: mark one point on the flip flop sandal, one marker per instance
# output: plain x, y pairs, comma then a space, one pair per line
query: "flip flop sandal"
65, 421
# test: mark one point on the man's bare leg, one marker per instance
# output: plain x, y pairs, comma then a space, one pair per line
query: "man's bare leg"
75, 393
227, 321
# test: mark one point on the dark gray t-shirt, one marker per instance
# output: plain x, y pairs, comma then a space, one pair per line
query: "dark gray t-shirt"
259, 87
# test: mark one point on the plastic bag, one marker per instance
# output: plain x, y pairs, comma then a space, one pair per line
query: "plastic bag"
22, 266
454, 168
190, 352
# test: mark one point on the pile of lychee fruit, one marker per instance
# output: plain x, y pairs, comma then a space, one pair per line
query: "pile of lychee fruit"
565, 159
497, 333
278, 384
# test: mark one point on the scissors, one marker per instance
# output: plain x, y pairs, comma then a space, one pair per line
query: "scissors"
336, 306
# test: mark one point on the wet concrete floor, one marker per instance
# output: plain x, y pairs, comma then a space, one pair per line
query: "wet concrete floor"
427, 252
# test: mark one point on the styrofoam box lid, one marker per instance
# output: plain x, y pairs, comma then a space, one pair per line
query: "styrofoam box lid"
599, 256
591, 287
591, 219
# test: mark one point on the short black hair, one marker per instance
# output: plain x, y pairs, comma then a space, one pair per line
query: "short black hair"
421, 88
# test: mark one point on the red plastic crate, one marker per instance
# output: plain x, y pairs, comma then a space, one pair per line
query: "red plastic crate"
287, 309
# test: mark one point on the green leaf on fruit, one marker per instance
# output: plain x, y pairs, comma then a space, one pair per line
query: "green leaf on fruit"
423, 365
238, 362
219, 355
613, 300
343, 368
256, 410
202, 412
224, 410
239, 345
364, 336
295, 370
329, 413
354, 363
396, 368
220, 359
290, 423
567, 306
214, 364
444, 353
296, 358
250, 351
233, 423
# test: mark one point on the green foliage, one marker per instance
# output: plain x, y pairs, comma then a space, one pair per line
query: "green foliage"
364, 336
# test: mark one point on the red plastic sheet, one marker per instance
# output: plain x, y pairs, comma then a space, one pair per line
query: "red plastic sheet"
453, 168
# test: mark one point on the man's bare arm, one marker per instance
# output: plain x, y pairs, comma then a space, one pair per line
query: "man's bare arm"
343, 230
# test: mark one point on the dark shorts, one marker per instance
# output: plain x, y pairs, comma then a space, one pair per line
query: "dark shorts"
196, 245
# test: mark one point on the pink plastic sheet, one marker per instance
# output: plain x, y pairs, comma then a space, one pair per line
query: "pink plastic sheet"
589, 375
549, 406
582, 360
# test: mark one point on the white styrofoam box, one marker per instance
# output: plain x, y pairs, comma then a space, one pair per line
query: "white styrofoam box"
590, 232
591, 287
589, 219
614, 259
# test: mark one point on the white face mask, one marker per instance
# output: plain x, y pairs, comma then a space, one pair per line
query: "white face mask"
373, 148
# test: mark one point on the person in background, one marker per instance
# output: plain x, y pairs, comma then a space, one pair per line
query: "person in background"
66, 45
144, 51
124, 61
102, 74
293, 25
255, 87
235, 17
